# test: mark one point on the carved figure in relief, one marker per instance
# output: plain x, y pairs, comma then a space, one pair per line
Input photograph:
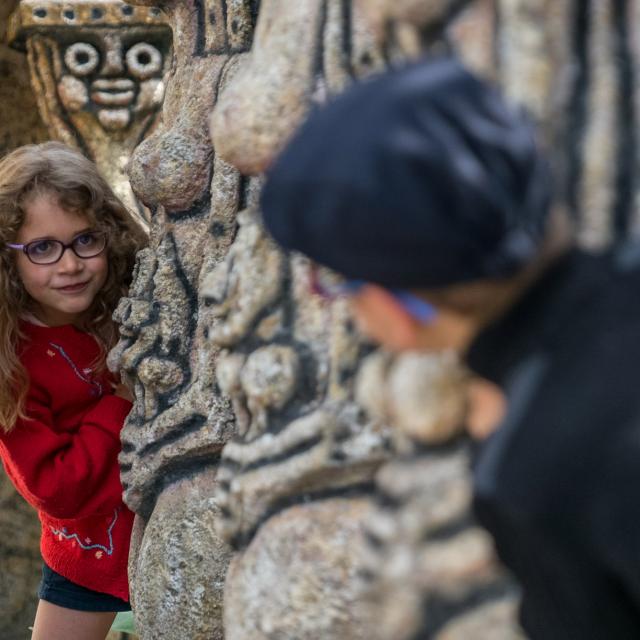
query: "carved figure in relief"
303, 459
275, 372
162, 319
180, 420
98, 68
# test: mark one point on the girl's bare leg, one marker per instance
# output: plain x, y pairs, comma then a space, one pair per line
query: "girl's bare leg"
57, 623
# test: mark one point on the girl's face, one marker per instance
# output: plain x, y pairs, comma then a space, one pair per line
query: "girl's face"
62, 291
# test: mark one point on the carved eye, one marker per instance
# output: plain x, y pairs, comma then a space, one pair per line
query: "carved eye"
82, 58
144, 60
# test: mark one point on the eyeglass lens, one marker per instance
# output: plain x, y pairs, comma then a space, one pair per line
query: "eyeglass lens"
86, 245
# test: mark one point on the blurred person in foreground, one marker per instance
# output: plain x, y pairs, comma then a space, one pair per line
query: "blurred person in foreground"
426, 191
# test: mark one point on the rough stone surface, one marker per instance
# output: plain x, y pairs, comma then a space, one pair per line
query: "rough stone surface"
98, 69
20, 562
306, 558
180, 533
297, 444
303, 53
571, 65
421, 395
292, 448
433, 572
180, 420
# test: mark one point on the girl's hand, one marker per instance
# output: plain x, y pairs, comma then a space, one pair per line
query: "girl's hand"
122, 391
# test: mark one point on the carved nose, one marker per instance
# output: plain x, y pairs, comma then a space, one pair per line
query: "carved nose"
114, 59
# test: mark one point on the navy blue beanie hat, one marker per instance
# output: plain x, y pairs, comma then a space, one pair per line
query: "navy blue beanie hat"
421, 177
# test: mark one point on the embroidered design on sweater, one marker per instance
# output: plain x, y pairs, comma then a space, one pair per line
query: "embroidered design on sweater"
96, 386
86, 544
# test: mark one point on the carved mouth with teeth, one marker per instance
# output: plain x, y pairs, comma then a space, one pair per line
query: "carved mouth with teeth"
108, 92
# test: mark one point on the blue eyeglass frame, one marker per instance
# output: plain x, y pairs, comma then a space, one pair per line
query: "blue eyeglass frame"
418, 308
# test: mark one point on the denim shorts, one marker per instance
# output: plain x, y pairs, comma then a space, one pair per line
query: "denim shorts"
56, 589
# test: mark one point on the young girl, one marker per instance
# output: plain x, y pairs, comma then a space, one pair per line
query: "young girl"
67, 248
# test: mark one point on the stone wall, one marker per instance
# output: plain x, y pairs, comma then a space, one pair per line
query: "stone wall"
246, 383
20, 563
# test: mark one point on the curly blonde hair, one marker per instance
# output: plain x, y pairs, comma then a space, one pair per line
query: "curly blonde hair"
52, 169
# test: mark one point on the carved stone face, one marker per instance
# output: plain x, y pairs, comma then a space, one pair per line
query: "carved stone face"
98, 67
107, 58
114, 73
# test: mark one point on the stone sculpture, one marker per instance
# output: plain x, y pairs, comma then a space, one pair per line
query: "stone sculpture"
432, 570
221, 340
301, 468
296, 481
180, 421
97, 67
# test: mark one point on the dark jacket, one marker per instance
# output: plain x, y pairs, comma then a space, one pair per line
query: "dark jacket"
558, 484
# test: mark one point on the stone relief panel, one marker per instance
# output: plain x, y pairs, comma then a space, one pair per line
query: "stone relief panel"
294, 485
181, 420
432, 570
98, 69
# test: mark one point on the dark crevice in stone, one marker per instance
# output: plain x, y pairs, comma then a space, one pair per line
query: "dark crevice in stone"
347, 38
578, 104
626, 164
317, 64
254, 7
201, 38
436, 29
172, 472
451, 529
193, 424
298, 449
348, 492
243, 192
441, 609
199, 209
225, 14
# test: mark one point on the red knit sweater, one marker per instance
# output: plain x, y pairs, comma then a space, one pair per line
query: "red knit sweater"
64, 459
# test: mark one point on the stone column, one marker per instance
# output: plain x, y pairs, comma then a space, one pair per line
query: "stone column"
181, 420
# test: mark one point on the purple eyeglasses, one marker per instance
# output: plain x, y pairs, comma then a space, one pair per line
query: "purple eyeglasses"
87, 244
